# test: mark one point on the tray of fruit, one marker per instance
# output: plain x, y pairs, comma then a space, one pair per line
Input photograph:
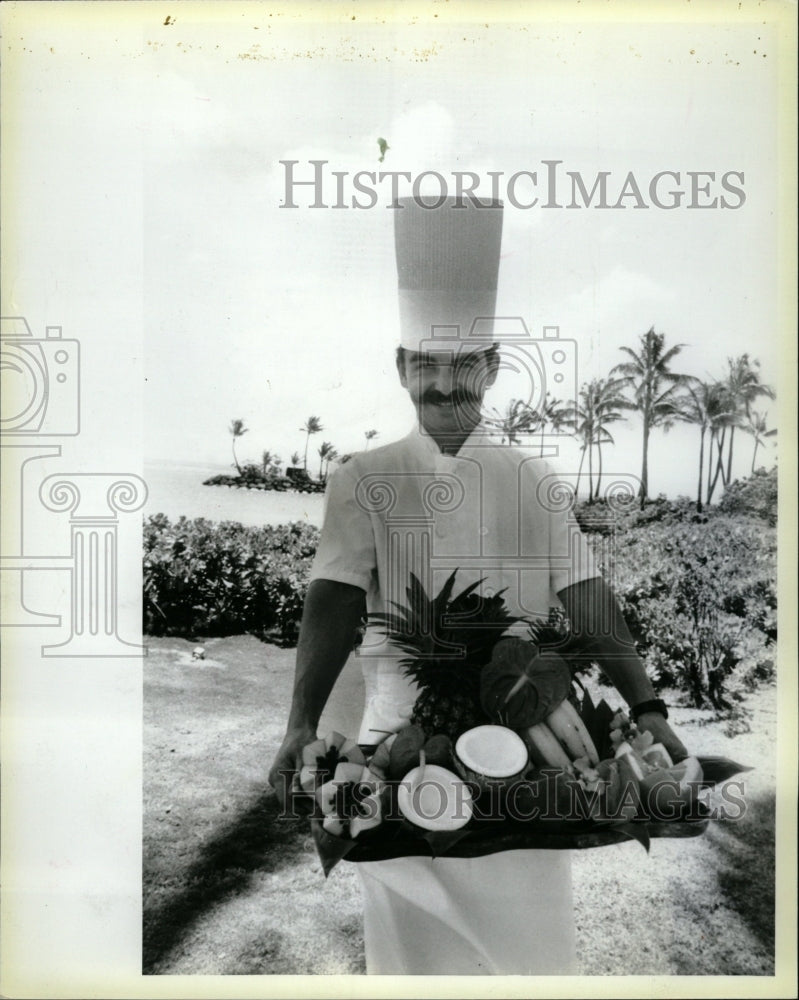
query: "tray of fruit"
504, 751
498, 790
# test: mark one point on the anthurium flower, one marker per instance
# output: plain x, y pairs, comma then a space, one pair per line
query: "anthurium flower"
321, 758
352, 801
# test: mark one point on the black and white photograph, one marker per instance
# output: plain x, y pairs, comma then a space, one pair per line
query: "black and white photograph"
399, 493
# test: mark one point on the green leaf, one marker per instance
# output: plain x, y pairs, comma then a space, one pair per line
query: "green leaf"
715, 770
635, 831
330, 849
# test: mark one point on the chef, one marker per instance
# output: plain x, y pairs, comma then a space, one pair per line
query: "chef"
448, 496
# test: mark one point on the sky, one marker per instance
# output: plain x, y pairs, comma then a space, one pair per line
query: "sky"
273, 314
151, 223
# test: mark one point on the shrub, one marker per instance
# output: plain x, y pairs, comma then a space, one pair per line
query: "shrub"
754, 497
602, 518
253, 478
207, 578
700, 601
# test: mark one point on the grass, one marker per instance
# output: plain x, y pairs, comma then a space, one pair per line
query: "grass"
231, 889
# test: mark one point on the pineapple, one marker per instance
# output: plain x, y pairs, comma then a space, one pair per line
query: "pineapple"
448, 640
552, 631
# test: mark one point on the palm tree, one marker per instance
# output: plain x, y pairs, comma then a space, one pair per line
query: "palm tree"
744, 386
369, 435
654, 389
608, 403
295, 458
326, 455
599, 404
519, 418
583, 419
269, 461
313, 425
554, 414
704, 404
723, 416
756, 426
237, 429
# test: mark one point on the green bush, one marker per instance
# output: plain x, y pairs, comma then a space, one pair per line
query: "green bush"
204, 578
602, 518
700, 601
754, 497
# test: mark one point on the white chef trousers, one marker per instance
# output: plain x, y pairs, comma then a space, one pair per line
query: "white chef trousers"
509, 913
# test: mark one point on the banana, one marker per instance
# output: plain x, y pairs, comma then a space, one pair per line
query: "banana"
544, 748
568, 727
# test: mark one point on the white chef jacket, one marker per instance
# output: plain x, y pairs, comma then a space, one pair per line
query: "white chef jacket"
497, 514
494, 513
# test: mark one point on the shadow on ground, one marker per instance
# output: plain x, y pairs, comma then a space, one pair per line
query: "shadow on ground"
743, 851
737, 843
257, 840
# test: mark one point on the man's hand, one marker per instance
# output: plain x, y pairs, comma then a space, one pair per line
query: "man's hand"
288, 762
654, 723
330, 618
590, 605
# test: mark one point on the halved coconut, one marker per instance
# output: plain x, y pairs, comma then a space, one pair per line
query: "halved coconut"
434, 798
491, 755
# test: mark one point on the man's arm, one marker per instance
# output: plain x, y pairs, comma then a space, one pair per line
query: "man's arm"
330, 618
600, 634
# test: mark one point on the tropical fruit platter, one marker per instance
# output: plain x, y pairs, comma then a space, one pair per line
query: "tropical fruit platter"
505, 750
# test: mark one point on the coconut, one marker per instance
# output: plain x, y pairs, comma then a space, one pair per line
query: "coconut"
434, 798
491, 755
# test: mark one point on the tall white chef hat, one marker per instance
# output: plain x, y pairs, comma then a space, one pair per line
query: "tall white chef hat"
447, 265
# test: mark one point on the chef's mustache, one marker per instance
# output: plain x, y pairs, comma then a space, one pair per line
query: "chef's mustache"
459, 397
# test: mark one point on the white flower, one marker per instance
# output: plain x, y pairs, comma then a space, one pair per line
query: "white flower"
320, 759
352, 801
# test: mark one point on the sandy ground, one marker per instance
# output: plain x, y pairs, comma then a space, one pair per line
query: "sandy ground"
231, 889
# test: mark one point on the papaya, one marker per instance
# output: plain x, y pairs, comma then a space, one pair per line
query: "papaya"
634, 764
520, 687
550, 796
404, 753
666, 790
657, 755
622, 796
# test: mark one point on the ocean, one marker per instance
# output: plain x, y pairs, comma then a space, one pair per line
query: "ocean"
177, 489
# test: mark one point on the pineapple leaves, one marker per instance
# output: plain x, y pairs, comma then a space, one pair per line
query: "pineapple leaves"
447, 639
